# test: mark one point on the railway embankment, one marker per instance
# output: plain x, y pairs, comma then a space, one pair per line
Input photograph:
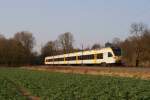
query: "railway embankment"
133, 72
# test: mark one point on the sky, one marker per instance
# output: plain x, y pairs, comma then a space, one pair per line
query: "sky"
90, 21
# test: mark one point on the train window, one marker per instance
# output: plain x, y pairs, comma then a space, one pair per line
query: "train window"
117, 51
100, 56
86, 57
58, 59
80, 57
61, 59
110, 54
71, 58
91, 56
67, 58
49, 60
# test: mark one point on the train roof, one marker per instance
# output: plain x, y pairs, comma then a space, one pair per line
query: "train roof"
80, 52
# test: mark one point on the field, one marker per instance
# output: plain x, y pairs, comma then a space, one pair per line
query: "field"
22, 84
133, 72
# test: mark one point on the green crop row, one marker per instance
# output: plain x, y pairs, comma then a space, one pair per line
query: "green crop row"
8, 91
60, 86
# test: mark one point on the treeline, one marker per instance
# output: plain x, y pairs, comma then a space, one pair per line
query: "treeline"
136, 48
18, 51
62, 45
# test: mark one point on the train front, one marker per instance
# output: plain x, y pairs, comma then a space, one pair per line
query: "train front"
118, 55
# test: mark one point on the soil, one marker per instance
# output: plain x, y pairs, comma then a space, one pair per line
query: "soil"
23, 91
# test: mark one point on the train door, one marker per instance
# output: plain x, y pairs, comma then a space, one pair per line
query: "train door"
110, 58
105, 57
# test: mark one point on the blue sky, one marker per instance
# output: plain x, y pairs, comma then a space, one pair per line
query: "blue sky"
90, 21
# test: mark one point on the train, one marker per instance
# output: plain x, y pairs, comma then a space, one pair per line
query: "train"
104, 56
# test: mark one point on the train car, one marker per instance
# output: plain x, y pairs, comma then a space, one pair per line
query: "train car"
104, 56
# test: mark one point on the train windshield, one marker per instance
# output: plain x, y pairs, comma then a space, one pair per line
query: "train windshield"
117, 51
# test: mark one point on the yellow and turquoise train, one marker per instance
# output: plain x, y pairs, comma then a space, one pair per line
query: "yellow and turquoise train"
104, 56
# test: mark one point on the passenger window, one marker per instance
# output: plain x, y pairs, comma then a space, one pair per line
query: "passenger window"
80, 57
100, 56
110, 54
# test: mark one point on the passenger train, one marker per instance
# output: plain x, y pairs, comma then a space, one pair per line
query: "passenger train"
104, 56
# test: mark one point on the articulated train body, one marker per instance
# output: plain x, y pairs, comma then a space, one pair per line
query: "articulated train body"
102, 56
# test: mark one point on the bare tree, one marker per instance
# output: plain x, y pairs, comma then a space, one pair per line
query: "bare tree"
57, 47
48, 49
137, 29
12, 53
66, 41
96, 46
1, 36
16, 54
128, 52
145, 40
116, 42
3, 50
26, 39
108, 44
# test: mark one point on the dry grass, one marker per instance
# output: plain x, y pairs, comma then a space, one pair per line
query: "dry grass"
143, 73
